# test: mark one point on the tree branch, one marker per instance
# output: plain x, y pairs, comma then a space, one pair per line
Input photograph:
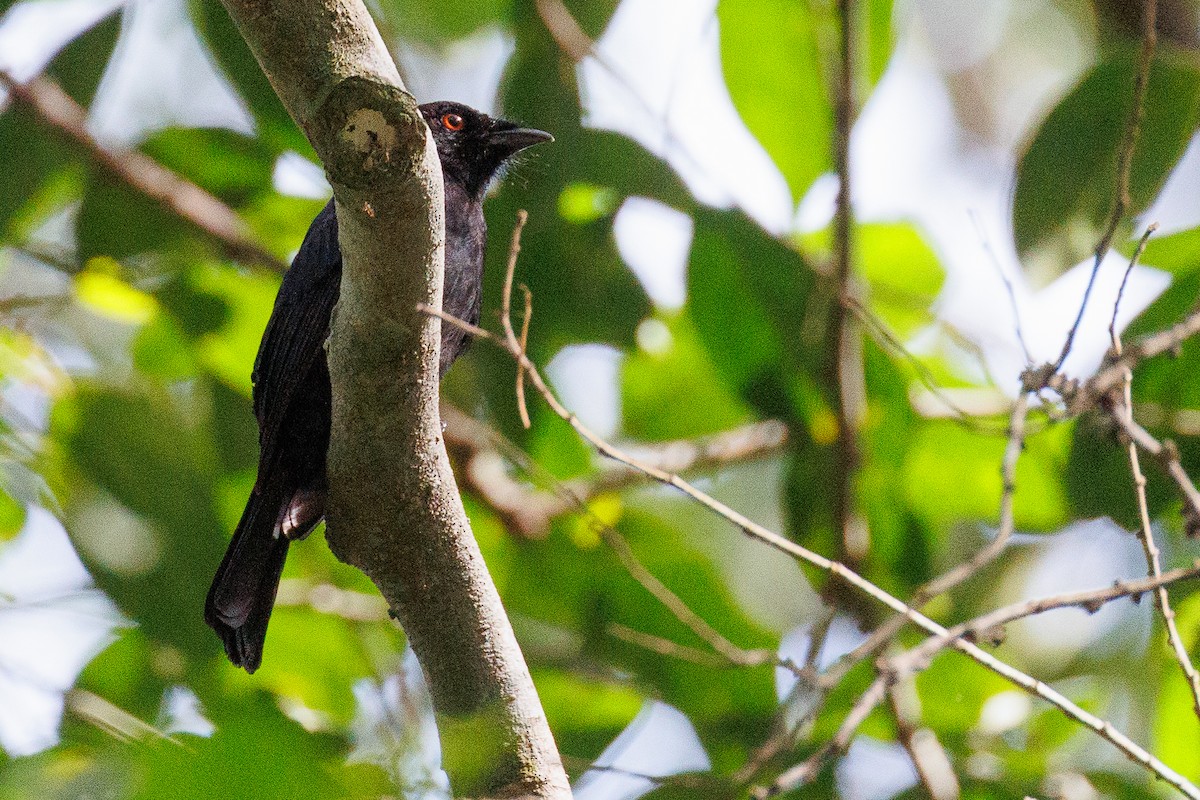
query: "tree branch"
58, 110
394, 510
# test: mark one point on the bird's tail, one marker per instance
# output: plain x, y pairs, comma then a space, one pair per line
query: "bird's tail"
239, 603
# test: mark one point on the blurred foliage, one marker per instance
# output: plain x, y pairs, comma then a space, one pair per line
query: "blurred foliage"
138, 340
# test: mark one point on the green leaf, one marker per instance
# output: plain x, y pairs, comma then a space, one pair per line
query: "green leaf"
880, 37
255, 755
28, 158
12, 516
117, 221
771, 59
154, 553
671, 390
230, 165
952, 476
751, 298
1178, 744
81, 64
233, 56
1178, 253
1066, 181
1098, 479
444, 21
903, 273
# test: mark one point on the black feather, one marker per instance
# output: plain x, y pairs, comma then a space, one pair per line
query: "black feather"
292, 396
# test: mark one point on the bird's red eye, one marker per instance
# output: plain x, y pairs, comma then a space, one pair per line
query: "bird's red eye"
453, 122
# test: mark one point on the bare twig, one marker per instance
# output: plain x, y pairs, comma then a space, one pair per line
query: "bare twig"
960, 573
1124, 411
514, 250
678, 608
808, 769
525, 320
1008, 286
666, 647
916, 659
928, 757
1137, 254
846, 379
1083, 397
1167, 453
1105, 729
890, 341
1008, 476
143, 174
1121, 199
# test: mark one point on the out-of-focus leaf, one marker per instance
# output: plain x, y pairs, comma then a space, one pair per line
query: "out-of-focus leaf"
116, 221
229, 351
146, 455
255, 755
752, 301
772, 63
161, 350
1178, 253
1067, 178
229, 49
675, 374
900, 555
713, 698
1098, 479
903, 273
953, 476
442, 22
315, 659
27, 158
585, 713
79, 66
229, 165
12, 516
881, 38
1175, 743
99, 290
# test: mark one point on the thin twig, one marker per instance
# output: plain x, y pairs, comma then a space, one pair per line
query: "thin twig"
890, 341
846, 378
145, 175
960, 573
525, 319
918, 658
1008, 286
514, 249
1105, 729
678, 608
808, 769
666, 647
1137, 254
1167, 453
1145, 531
1083, 397
528, 512
1121, 201
928, 757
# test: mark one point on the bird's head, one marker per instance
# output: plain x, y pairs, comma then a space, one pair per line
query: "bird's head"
472, 146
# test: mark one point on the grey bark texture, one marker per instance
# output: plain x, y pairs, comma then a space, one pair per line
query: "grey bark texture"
394, 510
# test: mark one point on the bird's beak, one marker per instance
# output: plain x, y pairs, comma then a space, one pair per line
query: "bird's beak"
512, 140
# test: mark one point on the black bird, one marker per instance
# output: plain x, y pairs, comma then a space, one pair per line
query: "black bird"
291, 375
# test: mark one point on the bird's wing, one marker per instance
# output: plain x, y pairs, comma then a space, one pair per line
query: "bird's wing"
296, 333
